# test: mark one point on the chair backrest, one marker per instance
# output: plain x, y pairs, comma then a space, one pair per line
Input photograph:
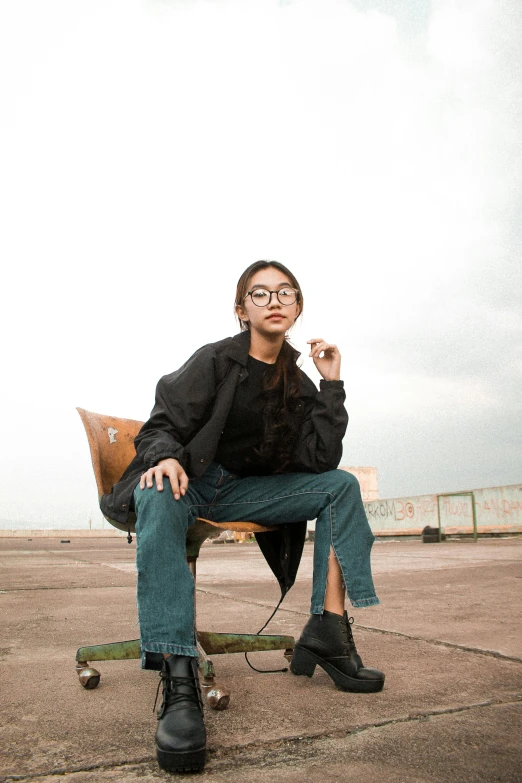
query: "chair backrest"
111, 441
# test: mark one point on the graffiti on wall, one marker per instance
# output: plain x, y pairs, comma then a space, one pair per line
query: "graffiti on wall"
455, 506
402, 512
494, 505
499, 507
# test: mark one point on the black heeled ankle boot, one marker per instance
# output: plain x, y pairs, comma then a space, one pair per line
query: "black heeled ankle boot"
180, 736
327, 641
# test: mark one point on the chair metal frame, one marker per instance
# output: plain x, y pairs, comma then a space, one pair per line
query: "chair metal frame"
111, 443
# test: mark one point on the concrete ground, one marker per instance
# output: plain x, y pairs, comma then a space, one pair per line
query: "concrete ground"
447, 634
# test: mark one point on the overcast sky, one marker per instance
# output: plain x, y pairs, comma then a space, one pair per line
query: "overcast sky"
152, 149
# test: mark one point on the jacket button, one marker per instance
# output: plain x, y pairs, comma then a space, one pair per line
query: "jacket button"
202, 460
124, 505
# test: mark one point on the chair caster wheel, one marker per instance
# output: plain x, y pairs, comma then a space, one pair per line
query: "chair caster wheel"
89, 678
218, 698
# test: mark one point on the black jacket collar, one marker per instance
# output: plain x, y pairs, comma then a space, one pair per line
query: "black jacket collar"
239, 345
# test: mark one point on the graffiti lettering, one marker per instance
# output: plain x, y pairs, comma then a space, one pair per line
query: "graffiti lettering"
404, 511
391, 509
511, 505
383, 509
459, 508
426, 507
500, 507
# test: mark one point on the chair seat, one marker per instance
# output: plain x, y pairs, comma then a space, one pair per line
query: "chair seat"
239, 527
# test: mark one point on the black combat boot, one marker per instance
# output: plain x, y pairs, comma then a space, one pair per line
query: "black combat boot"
181, 735
327, 641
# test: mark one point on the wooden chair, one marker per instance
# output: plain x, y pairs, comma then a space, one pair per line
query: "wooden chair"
111, 441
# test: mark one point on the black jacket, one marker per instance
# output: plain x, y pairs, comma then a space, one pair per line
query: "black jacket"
192, 406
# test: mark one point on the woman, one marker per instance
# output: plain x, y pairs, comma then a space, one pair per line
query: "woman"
240, 432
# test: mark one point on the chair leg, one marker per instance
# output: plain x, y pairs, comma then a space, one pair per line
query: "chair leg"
117, 651
220, 643
209, 643
218, 697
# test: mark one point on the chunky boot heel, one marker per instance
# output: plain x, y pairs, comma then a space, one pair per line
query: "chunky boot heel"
302, 662
188, 761
327, 641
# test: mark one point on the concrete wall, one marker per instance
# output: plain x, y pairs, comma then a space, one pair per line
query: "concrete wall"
407, 515
497, 510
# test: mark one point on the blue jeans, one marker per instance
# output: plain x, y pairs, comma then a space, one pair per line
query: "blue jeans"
165, 583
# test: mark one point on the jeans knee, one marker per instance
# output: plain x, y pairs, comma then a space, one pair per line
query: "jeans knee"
345, 481
149, 502
151, 493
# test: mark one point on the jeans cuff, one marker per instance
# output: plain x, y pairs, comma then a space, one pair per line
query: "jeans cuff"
153, 652
365, 602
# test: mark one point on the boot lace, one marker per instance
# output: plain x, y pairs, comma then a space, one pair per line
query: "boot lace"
346, 629
171, 694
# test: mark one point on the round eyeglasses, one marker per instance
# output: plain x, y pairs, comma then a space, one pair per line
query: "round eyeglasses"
261, 297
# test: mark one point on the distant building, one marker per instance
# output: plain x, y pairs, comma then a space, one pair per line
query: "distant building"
367, 479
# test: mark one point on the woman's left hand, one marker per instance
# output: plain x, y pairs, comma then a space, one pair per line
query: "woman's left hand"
329, 364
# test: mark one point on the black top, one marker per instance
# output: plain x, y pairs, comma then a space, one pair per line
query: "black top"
243, 433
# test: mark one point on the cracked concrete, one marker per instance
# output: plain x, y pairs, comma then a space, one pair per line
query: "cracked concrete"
447, 634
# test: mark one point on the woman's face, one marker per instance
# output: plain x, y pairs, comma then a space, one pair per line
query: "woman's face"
273, 318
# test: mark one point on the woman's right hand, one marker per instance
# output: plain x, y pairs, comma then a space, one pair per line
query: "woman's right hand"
172, 469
